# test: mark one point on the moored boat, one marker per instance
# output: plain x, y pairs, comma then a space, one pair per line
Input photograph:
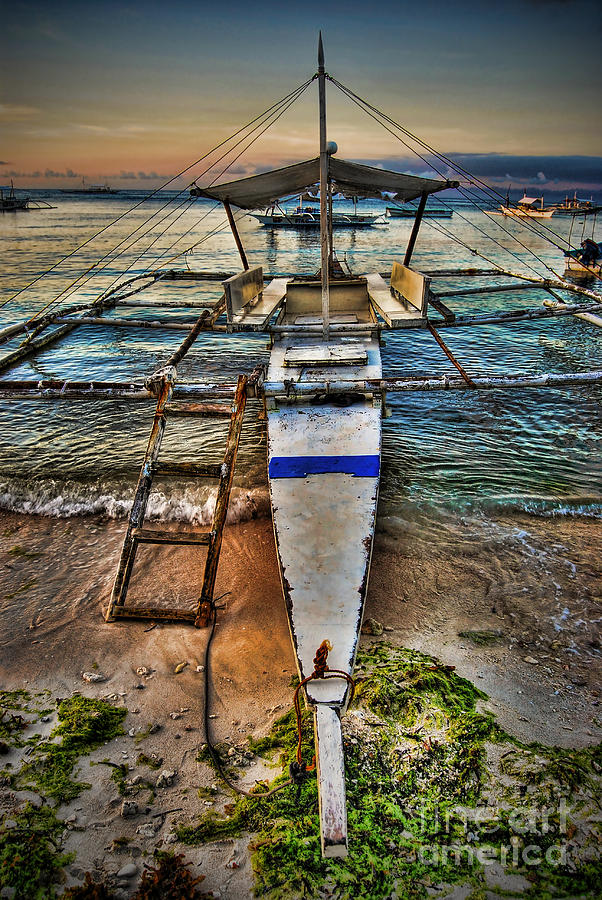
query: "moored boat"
91, 189
526, 208
574, 206
9, 202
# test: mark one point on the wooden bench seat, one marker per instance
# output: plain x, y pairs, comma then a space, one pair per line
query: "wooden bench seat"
249, 304
396, 312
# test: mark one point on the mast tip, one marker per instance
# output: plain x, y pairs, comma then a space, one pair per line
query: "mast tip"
320, 51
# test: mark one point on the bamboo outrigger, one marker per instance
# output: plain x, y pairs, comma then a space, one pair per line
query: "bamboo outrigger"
323, 457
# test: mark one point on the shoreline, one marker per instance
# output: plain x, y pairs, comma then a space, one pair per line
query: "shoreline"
487, 597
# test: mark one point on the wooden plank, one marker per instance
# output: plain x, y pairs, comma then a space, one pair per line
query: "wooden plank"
394, 311
199, 410
331, 781
153, 612
240, 289
194, 470
158, 536
411, 285
323, 355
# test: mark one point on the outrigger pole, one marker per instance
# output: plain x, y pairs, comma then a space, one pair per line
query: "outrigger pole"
323, 191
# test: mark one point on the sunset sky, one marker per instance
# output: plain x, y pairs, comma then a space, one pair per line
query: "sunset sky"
132, 92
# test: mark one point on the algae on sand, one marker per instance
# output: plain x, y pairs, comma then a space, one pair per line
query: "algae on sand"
434, 799
31, 858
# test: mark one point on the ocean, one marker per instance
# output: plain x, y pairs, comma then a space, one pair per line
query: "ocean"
445, 455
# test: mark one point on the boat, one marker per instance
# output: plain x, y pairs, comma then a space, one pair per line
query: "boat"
9, 202
90, 189
410, 212
576, 268
324, 394
526, 208
574, 206
309, 217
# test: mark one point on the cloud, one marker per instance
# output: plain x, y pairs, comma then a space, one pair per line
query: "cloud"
68, 173
14, 113
150, 176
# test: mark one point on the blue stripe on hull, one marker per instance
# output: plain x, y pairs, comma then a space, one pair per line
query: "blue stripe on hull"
301, 466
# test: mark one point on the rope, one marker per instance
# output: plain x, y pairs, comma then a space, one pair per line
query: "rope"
227, 140
322, 671
374, 112
280, 108
212, 750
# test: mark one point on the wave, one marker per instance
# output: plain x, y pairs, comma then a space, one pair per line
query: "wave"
194, 504
68, 499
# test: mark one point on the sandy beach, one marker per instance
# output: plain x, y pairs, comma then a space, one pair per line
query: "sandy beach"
515, 612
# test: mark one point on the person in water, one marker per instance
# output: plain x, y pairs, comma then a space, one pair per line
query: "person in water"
590, 252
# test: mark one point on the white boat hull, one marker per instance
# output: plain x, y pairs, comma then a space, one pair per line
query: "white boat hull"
324, 466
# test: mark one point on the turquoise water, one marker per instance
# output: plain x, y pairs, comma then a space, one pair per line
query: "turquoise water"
534, 450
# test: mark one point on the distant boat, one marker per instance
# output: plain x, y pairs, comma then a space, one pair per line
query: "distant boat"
409, 212
526, 208
11, 203
575, 207
309, 217
90, 189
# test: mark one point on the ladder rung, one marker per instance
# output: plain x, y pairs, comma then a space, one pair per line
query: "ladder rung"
198, 470
146, 612
205, 410
155, 536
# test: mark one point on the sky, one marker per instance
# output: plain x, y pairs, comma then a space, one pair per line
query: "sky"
130, 93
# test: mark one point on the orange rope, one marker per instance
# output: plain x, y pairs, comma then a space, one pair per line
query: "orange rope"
321, 670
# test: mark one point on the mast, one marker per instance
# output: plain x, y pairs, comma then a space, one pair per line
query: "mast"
323, 190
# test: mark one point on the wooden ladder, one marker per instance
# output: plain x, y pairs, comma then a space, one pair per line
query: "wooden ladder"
136, 532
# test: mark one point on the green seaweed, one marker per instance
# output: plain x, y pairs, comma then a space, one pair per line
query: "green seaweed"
423, 761
84, 725
482, 638
19, 551
31, 860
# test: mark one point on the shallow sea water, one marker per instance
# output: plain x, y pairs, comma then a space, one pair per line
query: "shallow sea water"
444, 454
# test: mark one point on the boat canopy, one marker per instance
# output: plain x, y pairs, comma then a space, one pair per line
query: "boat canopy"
529, 201
348, 178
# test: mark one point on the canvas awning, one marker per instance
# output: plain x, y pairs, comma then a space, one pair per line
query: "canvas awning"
348, 178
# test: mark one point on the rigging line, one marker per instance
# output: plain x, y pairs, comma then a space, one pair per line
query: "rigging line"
250, 144
358, 102
492, 192
455, 165
223, 226
500, 245
437, 226
529, 225
412, 150
149, 196
279, 107
231, 163
96, 270
514, 238
142, 252
81, 279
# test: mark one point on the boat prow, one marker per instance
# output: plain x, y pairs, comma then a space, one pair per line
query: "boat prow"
323, 466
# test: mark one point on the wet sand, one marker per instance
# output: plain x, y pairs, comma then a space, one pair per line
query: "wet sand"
532, 586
